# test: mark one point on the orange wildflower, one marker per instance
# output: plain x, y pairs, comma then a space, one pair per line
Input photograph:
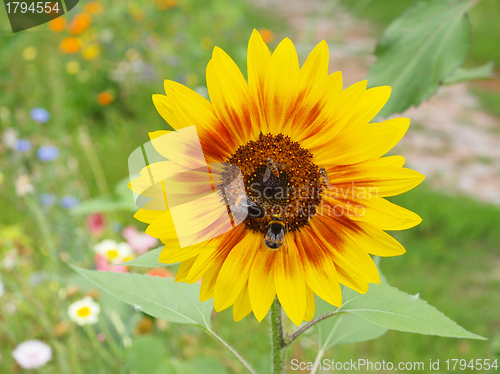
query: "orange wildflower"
93, 7
80, 23
105, 98
70, 44
166, 4
267, 35
57, 24
160, 272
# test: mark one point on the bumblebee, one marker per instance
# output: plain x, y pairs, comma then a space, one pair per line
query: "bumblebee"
275, 235
271, 168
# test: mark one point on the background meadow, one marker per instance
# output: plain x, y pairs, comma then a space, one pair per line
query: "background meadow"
76, 101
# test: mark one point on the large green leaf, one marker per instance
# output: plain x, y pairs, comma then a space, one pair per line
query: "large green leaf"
419, 50
148, 259
158, 297
461, 74
343, 328
388, 307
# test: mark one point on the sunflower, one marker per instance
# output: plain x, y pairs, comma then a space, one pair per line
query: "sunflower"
314, 182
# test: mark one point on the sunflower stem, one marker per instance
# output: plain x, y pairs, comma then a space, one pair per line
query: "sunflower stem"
277, 340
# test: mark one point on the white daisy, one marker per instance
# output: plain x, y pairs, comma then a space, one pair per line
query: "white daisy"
85, 311
114, 252
32, 354
24, 186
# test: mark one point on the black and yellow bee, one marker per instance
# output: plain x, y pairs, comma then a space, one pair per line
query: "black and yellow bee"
275, 234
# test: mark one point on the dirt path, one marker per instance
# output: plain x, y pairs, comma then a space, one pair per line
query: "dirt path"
451, 140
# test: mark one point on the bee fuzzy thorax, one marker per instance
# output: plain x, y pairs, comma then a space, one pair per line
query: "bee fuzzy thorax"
275, 235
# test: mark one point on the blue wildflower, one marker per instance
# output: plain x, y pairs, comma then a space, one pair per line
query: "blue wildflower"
47, 153
69, 201
36, 278
23, 145
40, 115
47, 199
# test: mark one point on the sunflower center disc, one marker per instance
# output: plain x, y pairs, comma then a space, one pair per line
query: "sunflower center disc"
281, 181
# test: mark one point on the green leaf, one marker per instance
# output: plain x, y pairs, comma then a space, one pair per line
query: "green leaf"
388, 307
343, 328
104, 204
159, 297
419, 50
121, 199
461, 74
148, 259
151, 347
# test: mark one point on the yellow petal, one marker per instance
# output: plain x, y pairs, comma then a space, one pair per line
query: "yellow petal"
357, 204
164, 108
365, 142
346, 252
319, 268
349, 280
172, 254
389, 161
147, 216
192, 109
318, 114
370, 104
281, 86
339, 108
229, 93
156, 134
162, 227
209, 279
315, 69
242, 307
379, 181
192, 222
257, 62
290, 282
182, 148
311, 305
378, 242
261, 283
184, 268
233, 275
210, 255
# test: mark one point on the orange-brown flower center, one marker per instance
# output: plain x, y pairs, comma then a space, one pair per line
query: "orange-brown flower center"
281, 182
